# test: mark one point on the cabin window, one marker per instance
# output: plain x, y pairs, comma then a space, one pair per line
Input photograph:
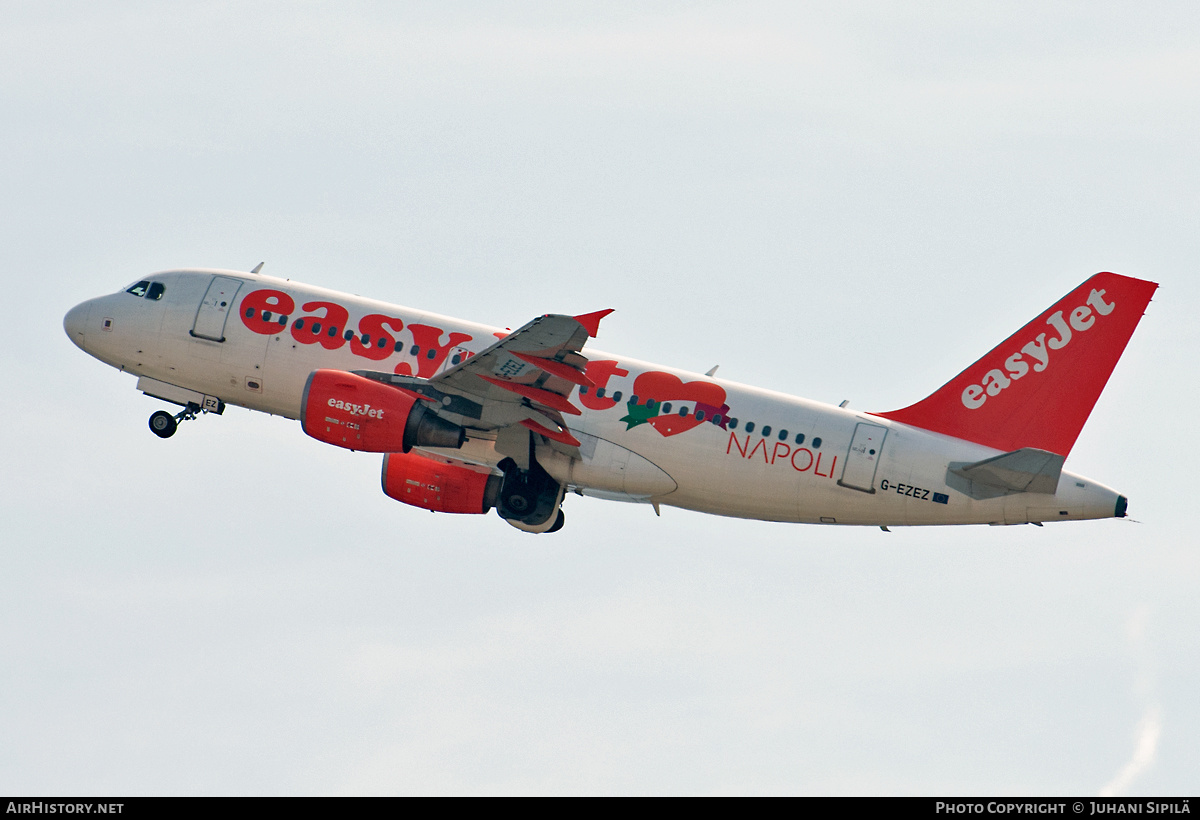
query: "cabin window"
599, 392
415, 350
616, 396
749, 427
666, 408
650, 403
799, 438
733, 424
283, 321
432, 354
783, 435
716, 419
382, 342
266, 315
633, 400
766, 430
699, 415
140, 288
683, 411
816, 443
249, 313
583, 390
316, 328
156, 291
399, 347
299, 325
333, 331
455, 359
348, 335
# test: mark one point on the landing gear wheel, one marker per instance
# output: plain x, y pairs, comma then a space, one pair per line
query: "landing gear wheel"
163, 424
529, 499
519, 500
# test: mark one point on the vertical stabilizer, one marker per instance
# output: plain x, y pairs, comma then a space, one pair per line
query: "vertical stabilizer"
1038, 386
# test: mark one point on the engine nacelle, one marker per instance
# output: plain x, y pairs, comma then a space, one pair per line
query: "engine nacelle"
356, 413
433, 484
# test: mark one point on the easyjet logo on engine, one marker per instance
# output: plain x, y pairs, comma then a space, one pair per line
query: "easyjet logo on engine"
356, 409
1037, 352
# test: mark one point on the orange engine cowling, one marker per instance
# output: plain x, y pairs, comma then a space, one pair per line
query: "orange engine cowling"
356, 413
433, 484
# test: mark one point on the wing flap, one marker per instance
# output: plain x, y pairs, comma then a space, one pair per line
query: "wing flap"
523, 380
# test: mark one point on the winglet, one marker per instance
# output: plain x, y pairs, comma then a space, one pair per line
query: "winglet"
591, 321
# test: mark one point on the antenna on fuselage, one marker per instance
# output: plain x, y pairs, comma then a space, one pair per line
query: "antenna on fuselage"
713, 371
258, 267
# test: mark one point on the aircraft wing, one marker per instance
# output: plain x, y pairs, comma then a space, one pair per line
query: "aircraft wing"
519, 385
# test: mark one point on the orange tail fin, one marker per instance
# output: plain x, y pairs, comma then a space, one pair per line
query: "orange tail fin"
1038, 386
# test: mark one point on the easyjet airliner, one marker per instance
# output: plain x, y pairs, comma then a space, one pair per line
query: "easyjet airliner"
471, 418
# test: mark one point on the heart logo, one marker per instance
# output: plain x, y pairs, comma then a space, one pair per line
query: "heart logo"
666, 387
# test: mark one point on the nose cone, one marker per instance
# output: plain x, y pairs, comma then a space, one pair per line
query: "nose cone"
75, 323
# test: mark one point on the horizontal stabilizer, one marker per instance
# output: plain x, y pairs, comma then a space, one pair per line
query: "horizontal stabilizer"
1027, 470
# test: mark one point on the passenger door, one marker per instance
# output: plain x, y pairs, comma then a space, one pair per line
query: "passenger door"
214, 309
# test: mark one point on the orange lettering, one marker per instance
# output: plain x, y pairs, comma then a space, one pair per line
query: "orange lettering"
733, 440
817, 469
763, 445
335, 318
275, 301
600, 372
432, 354
373, 325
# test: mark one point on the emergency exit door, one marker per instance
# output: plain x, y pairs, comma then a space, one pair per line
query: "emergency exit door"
863, 458
214, 309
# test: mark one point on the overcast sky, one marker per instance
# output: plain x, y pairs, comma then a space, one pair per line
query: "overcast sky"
840, 201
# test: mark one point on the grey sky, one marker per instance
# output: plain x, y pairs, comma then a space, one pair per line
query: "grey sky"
844, 201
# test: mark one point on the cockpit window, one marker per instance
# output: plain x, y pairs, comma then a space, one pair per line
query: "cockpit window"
148, 289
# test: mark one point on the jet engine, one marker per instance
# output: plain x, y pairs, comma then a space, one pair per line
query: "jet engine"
357, 413
435, 484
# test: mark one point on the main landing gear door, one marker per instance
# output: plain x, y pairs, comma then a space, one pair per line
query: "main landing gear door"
863, 459
214, 310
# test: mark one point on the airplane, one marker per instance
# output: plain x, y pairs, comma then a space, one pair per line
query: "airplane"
471, 418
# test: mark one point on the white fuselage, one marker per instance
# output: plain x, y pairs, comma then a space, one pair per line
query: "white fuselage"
774, 457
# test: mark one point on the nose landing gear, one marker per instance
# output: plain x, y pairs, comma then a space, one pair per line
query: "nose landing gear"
163, 424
